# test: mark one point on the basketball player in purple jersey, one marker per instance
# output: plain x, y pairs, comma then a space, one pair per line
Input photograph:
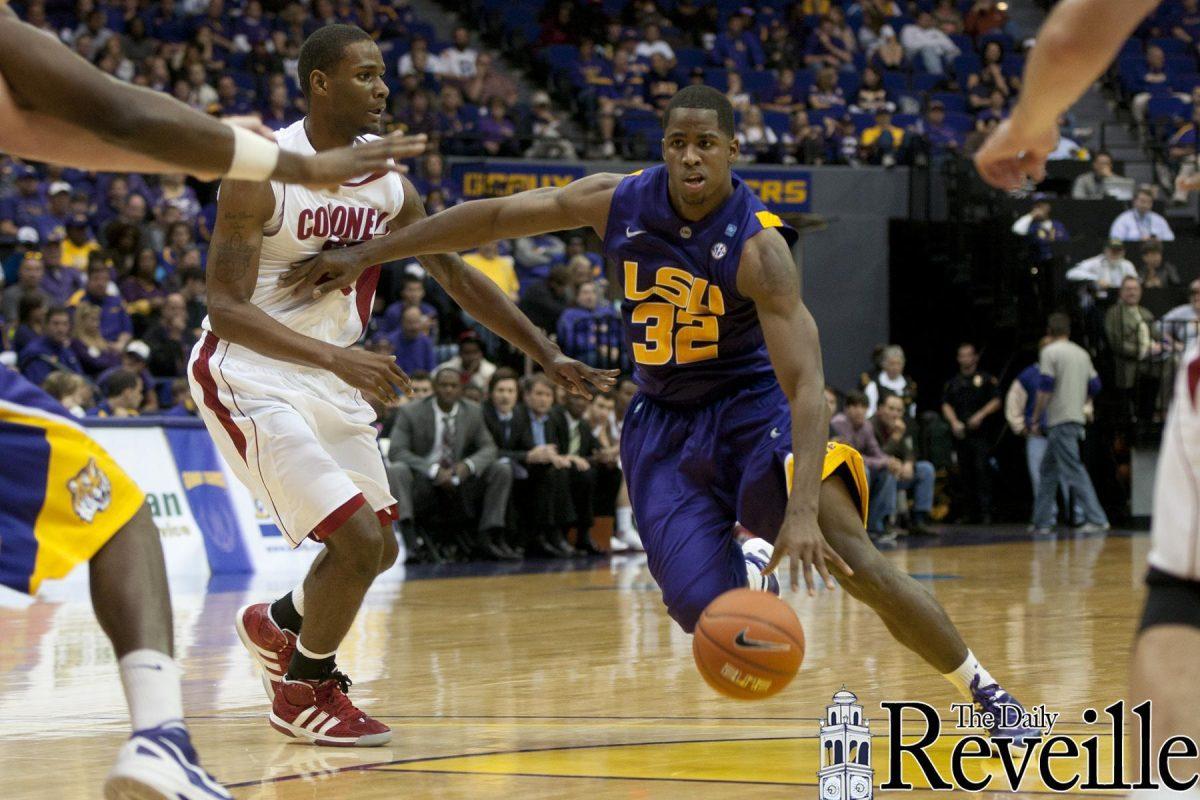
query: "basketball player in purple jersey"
730, 414
1076, 44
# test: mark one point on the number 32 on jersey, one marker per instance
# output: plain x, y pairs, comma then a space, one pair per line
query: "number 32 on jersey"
681, 323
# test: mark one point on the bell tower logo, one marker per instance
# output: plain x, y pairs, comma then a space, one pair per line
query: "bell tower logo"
845, 772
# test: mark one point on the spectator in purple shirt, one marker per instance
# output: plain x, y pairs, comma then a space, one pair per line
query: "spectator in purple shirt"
412, 294
496, 130
57, 210
26, 206
412, 346
58, 281
95, 353
51, 351
852, 427
737, 48
940, 137
115, 323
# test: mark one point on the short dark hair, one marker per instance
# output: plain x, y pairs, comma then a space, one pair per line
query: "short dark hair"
856, 398
120, 380
534, 380
701, 96
58, 311
324, 49
1058, 324
503, 374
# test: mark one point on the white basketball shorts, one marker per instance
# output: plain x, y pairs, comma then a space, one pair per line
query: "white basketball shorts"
301, 439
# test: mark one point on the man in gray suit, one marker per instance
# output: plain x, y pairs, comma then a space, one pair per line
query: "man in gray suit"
442, 457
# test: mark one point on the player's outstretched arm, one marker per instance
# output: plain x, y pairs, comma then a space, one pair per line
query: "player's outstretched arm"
483, 299
59, 108
233, 258
1075, 45
582, 203
769, 276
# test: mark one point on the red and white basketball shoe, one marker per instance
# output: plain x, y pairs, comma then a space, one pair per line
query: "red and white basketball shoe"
321, 712
270, 646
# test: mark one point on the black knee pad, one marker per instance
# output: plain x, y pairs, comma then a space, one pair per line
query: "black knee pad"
1171, 601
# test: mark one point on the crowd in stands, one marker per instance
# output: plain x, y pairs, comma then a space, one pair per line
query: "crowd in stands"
812, 81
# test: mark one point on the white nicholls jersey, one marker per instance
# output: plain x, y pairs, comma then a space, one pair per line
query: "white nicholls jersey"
1175, 533
307, 221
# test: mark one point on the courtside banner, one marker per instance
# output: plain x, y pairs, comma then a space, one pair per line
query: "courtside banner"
143, 452
501, 178
781, 190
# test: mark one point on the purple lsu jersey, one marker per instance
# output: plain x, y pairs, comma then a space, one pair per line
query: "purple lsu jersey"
691, 336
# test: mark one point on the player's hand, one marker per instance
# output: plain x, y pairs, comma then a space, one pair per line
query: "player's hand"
332, 269
374, 374
578, 378
801, 540
1013, 155
331, 167
251, 122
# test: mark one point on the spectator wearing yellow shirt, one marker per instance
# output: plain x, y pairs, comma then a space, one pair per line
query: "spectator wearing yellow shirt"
500, 269
882, 141
79, 243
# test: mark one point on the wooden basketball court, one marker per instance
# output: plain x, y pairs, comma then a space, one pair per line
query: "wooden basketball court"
573, 682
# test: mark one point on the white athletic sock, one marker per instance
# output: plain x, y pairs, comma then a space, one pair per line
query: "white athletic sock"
298, 598
965, 674
151, 682
624, 519
310, 654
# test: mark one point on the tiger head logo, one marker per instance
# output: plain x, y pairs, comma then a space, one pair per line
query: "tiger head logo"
91, 491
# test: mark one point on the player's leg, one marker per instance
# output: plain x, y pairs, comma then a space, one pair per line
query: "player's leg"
129, 595
912, 615
310, 701
1166, 667
64, 501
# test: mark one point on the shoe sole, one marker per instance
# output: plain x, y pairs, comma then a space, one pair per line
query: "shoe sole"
251, 648
127, 787
295, 732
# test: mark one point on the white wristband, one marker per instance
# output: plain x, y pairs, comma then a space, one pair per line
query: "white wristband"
254, 156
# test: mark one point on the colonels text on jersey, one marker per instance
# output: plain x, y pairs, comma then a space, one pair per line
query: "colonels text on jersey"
307, 221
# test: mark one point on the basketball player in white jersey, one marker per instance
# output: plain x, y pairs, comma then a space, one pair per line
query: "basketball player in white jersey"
283, 391
55, 107
58, 108
1075, 45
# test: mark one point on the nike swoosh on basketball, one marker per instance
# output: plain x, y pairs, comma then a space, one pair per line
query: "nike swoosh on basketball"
742, 640
630, 233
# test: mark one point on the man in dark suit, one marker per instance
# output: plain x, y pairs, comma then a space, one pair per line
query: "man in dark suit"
580, 447
509, 428
442, 457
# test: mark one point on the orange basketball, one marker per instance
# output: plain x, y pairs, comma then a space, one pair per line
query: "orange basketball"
748, 644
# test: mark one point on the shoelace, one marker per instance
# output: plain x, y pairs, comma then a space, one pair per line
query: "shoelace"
334, 689
986, 696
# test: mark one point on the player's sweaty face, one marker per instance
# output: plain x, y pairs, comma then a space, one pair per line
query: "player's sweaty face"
356, 87
698, 155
